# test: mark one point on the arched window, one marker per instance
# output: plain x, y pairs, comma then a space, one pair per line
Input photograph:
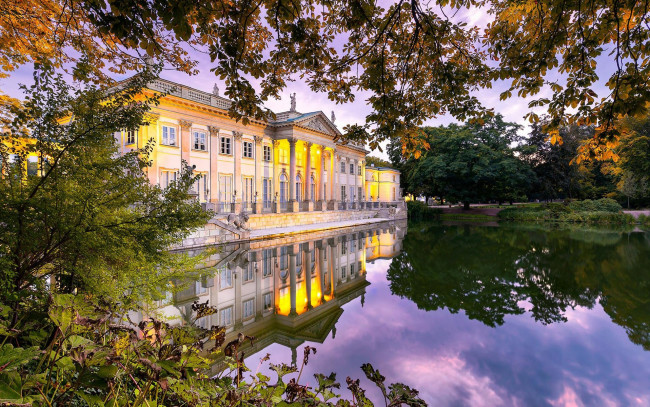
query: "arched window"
284, 186
299, 192
312, 188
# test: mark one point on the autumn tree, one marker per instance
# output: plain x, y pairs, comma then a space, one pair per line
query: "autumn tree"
416, 61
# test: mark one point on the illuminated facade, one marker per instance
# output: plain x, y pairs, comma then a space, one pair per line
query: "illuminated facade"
290, 164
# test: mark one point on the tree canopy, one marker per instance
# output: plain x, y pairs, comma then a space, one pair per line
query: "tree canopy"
416, 60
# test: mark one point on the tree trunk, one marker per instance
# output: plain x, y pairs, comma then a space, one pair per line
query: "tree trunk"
466, 205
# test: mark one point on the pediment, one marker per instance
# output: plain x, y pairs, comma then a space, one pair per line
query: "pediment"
320, 123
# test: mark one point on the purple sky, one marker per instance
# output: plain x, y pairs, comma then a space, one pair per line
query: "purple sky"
513, 109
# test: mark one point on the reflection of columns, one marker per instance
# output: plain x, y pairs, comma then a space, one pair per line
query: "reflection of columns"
293, 204
237, 314
356, 181
307, 264
321, 269
214, 146
292, 280
236, 174
186, 125
256, 257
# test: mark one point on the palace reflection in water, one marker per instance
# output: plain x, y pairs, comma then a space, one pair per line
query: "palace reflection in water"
287, 290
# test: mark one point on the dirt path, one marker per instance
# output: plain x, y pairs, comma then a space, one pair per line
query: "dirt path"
636, 214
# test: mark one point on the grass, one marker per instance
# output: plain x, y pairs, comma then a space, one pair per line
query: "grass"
606, 211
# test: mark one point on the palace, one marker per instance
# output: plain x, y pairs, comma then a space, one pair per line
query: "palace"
291, 164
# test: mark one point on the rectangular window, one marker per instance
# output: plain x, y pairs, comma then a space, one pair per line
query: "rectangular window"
168, 136
248, 272
283, 156
167, 177
131, 136
249, 308
225, 278
247, 147
360, 193
344, 272
358, 170
267, 300
351, 194
342, 192
225, 316
351, 270
267, 153
299, 160
199, 141
267, 257
200, 288
342, 167
225, 145
352, 169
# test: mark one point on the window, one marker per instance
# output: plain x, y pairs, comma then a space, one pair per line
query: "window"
131, 136
283, 156
313, 161
200, 288
344, 272
199, 141
342, 192
393, 178
225, 188
299, 192
394, 198
225, 278
358, 170
284, 186
312, 189
267, 258
249, 308
169, 136
267, 153
352, 169
225, 316
299, 160
225, 146
247, 147
248, 272
248, 189
342, 167
167, 177
351, 270
267, 301
266, 192
360, 193
351, 194
284, 257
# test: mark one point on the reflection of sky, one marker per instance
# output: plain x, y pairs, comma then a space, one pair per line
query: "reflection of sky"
454, 361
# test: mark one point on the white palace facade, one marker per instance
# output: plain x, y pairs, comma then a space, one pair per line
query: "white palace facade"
290, 164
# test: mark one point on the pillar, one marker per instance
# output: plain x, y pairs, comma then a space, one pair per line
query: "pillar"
236, 172
257, 204
309, 200
275, 194
151, 131
186, 142
333, 205
321, 204
214, 170
307, 264
293, 204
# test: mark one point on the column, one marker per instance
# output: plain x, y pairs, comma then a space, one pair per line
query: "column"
309, 201
214, 170
335, 181
356, 184
321, 205
257, 205
292, 280
275, 194
236, 172
307, 264
151, 131
257, 258
321, 267
237, 308
293, 204
186, 136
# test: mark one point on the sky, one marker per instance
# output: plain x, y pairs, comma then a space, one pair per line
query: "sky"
355, 112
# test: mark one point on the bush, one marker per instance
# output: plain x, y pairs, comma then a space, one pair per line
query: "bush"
604, 210
419, 210
600, 205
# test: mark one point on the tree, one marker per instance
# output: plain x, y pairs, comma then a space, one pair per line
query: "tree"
377, 162
470, 163
415, 60
79, 215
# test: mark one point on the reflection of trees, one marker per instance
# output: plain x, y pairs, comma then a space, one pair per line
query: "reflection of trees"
491, 272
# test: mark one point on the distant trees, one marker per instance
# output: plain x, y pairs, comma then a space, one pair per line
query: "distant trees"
468, 163
377, 162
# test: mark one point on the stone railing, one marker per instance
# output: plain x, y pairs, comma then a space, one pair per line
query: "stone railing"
188, 93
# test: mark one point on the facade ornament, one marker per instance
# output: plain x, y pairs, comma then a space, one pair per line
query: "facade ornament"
215, 90
308, 144
293, 102
292, 140
258, 139
333, 117
317, 124
214, 130
237, 134
151, 118
276, 143
185, 124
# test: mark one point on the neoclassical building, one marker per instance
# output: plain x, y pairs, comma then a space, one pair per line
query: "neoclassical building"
290, 164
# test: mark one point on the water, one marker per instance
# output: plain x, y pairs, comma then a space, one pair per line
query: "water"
513, 315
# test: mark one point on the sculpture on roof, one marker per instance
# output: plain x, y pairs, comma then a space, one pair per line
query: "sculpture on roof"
215, 90
333, 117
293, 102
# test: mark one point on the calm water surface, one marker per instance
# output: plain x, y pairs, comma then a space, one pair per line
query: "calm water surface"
512, 315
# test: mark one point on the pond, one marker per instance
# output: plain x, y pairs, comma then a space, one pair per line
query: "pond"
471, 315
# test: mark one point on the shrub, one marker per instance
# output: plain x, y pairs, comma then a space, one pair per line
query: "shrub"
419, 210
600, 205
